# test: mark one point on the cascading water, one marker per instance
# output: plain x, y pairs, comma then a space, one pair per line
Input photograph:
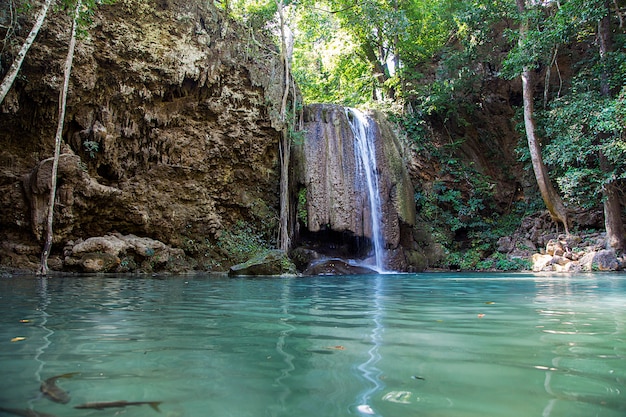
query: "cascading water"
365, 156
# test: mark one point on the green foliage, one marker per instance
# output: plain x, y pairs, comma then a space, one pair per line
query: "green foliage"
242, 242
302, 212
327, 65
467, 54
549, 28
349, 52
478, 251
91, 147
88, 8
460, 205
257, 14
500, 262
582, 124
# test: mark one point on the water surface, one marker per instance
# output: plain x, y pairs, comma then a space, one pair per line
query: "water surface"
448, 345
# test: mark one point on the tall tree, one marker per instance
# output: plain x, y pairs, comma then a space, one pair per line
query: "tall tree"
612, 208
286, 51
550, 196
43, 268
10, 76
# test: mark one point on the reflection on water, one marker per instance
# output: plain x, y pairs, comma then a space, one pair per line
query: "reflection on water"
386, 345
368, 368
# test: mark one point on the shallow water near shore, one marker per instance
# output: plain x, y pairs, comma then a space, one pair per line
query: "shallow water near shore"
446, 345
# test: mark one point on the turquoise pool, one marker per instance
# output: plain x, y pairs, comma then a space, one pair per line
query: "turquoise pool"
446, 345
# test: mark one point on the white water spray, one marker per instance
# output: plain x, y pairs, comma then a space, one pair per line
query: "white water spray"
365, 156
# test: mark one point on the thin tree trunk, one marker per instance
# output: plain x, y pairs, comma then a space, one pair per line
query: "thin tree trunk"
284, 237
10, 76
615, 235
43, 268
551, 198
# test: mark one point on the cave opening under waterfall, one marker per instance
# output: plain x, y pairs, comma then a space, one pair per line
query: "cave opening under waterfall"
334, 244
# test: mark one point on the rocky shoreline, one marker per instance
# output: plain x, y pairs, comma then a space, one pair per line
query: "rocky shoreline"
578, 253
129, 254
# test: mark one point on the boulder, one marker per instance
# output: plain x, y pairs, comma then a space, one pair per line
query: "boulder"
540, 261
302, 257
505, 244
555, 248
273, 262
124, 253
602, 260
605, 260
99, 262
336, 267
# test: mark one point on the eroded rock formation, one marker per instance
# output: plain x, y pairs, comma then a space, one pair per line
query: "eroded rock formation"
171, 130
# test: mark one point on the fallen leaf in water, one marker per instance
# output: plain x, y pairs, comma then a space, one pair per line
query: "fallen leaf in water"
18, 339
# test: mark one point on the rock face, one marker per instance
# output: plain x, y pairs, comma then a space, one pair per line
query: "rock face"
336, 202
171, 129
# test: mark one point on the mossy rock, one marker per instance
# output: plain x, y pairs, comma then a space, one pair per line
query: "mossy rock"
273, 262
416, 260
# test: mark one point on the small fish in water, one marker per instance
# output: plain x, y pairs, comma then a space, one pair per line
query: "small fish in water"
25, 412
118, 404
338, 347
56, 394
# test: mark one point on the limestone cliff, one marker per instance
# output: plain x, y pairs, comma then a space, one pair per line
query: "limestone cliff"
171, 130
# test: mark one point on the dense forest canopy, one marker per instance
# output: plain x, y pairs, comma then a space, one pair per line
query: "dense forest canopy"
387, 51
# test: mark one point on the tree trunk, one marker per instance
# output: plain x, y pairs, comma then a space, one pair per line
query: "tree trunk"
615, 235
9, 78
379, 70
284, 236
43, 268
551, 198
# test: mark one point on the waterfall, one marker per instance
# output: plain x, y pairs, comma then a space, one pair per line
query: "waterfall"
365, 157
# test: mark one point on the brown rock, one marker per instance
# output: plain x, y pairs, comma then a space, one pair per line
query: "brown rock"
99, 262
172, 128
